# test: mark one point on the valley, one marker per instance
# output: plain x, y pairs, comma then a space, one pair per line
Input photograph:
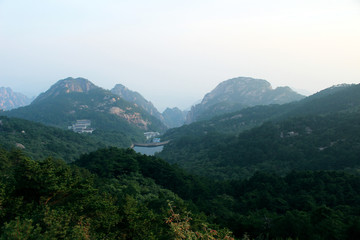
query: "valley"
179, 120
247, 162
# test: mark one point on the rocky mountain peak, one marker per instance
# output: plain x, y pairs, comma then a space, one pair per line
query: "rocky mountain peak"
120, 87
237, 93
237, 89
10, 99
127, 94
67, 85
136, 98
73, 85
76, 85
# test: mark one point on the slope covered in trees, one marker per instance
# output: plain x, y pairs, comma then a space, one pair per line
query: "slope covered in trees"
295, 177
73, 99
340, 98
320, 132
118, 194
40, 141
51, 200
305, 143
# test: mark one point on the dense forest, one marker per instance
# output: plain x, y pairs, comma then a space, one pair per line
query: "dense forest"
118, 194
302, 143
39, 141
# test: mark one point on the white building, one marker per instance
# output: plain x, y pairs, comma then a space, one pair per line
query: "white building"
150, 135
82, 126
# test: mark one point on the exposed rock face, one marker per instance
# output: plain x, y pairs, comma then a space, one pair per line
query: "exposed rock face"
237, 93
138, 99
10, 99
19, 145
174, 117
132, 117
67, 85
244, 90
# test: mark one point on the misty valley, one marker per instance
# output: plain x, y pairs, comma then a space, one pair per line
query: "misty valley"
248, 161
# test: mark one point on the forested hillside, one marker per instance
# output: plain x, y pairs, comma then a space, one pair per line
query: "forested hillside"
73, 99
304, 143
51, 200
334, 99
238, 175
118, 194
320, 132
40, 141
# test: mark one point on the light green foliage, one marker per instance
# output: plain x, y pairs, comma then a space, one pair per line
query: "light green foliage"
182, 228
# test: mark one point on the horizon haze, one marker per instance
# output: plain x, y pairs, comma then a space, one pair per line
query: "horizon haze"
173, 53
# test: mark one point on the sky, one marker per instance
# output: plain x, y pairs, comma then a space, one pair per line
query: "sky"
175, 51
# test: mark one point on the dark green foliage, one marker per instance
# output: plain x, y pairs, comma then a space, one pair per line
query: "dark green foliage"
126, 195
329, 101
42, 141
265, 205
114, 162
304, 205
110, 163
328, 142
50, 200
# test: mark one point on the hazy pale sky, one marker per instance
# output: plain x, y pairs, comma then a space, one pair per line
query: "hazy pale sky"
173, 52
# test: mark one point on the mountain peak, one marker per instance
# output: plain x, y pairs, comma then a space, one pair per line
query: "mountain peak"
74, 85
67, 85
121, 87
136, 98
236, 89
237, 93
10, 99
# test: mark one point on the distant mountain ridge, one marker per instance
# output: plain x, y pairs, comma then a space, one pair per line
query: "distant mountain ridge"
174, 117
318, 132
237, 93
10, 99
72, 99
342, 97
171, 117
108, 104
137, 98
